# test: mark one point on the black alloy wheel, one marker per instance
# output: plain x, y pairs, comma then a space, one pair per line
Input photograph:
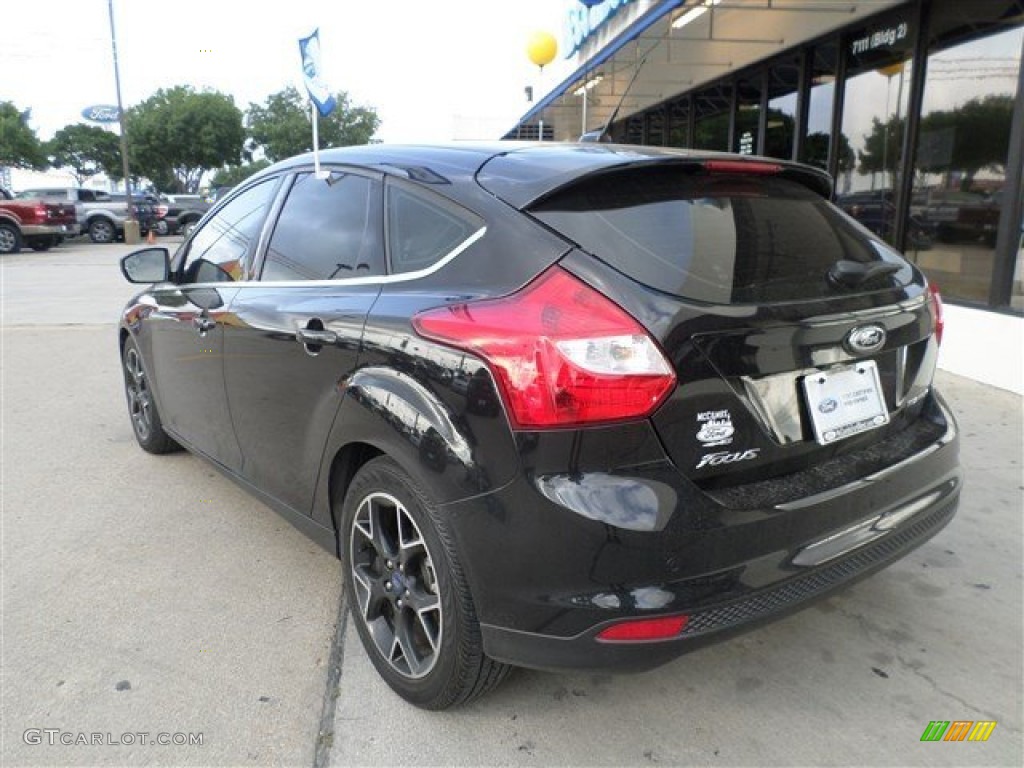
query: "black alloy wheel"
407, 594
142, 410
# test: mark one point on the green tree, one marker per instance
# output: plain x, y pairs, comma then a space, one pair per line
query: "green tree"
177, 134
882, 147
280, 126
19, 145
816, 151
85, 150
236, 174
974, 136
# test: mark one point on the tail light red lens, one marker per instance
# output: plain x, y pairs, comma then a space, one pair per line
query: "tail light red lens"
938, 320
562, 353
642, 630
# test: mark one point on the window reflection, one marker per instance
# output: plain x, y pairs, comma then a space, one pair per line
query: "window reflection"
780, 123
960, 167
819, 112
874, 120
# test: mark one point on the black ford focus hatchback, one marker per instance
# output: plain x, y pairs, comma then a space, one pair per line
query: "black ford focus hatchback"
558, 406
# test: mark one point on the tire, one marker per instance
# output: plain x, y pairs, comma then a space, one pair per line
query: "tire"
40, 243
187, 227
10, 238
161, 227
407, 593
142, 410
102, 231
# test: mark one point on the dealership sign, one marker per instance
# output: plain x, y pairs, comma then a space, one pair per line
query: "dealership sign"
102, 113
585, 18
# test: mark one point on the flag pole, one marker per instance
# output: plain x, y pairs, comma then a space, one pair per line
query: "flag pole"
316, 138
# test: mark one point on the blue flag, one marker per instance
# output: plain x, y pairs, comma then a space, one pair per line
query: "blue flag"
312, 74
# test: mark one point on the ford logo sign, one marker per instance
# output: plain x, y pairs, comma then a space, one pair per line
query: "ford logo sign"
865, 339
102, 113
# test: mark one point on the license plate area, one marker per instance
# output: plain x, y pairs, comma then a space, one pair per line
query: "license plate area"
845, 401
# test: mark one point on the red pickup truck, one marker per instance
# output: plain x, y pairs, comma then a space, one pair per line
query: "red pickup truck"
39, 224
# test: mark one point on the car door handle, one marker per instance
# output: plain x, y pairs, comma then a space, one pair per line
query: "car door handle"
203, 324
315, 336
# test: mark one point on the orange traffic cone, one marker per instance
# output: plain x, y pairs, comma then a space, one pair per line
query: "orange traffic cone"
151, 237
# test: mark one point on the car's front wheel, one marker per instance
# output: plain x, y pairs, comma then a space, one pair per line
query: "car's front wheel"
142, 410
407, 593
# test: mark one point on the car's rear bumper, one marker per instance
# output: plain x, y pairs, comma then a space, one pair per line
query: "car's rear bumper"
547, 581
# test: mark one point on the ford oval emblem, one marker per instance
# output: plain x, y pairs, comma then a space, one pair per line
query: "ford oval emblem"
865, 339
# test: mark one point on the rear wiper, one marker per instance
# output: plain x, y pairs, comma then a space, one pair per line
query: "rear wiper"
852, 274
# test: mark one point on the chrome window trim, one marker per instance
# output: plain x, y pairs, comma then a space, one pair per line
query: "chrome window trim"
368, 280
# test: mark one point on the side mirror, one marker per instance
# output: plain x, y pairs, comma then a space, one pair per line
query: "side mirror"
150, 265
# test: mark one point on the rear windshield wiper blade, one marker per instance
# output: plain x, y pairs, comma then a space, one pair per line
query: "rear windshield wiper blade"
852, 274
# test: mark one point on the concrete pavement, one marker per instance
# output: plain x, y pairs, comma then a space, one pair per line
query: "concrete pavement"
150, 594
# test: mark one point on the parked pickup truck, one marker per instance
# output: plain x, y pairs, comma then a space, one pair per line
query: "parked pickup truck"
102, 214
39, 224
179, 213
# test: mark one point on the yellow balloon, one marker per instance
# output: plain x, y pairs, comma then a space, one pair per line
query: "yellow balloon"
542, 48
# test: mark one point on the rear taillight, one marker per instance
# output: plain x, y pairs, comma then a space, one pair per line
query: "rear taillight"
938, 321
41, 211
643, 630
562, 353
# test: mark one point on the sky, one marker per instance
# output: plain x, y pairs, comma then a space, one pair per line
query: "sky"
434, 70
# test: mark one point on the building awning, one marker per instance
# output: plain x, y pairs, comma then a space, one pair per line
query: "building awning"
680, 55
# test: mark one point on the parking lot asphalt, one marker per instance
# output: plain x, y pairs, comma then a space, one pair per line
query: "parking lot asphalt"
146, 594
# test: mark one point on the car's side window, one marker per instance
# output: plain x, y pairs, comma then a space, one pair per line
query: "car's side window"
424, 227
329, 229
218, 250
86, 196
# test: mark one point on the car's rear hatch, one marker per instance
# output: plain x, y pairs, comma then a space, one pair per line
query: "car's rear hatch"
796, 335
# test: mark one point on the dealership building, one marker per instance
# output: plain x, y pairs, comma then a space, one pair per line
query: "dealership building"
914, 108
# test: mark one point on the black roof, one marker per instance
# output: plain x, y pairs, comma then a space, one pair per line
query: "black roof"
521, 172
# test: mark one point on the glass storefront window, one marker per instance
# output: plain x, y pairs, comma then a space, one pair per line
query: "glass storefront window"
780, 124
712, 107
678, 124
655, 127
874, 119
748, 116
963, 144
819, 111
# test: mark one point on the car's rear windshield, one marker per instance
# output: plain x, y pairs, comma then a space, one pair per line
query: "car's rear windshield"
722, 239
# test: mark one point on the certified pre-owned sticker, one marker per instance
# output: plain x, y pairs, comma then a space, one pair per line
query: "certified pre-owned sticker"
724, 457
715, 428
